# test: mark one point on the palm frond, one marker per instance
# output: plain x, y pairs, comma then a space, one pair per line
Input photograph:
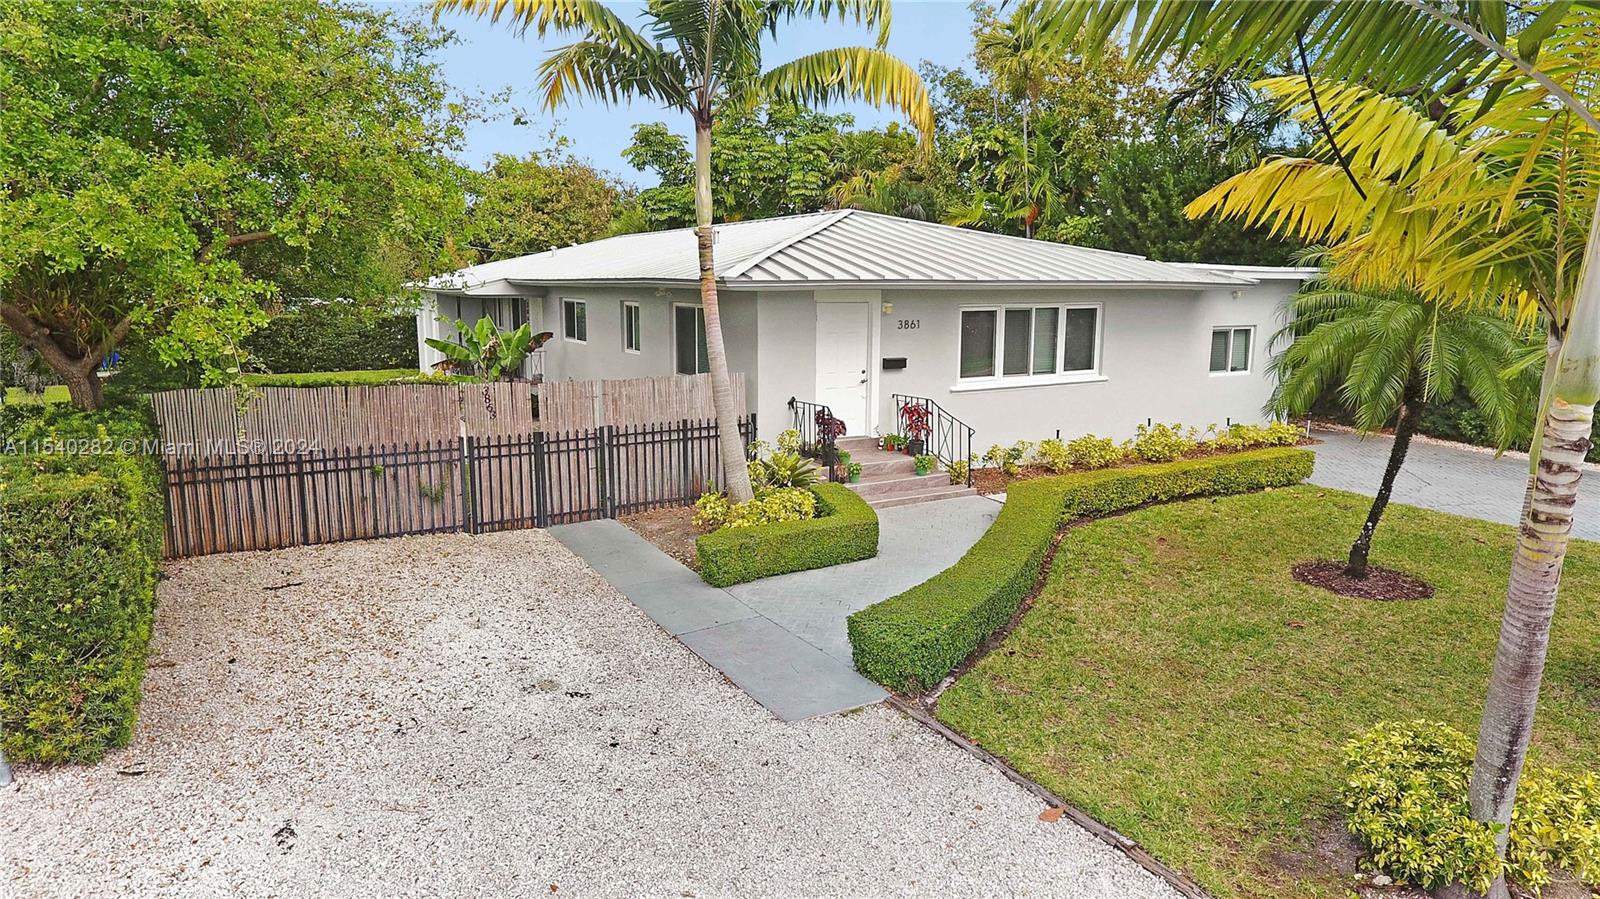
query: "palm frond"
863, 73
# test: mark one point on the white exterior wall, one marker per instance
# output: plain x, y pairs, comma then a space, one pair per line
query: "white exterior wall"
1154, 362
438, 311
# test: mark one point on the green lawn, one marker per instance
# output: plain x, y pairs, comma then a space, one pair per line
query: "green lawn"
55, 393
1175, 682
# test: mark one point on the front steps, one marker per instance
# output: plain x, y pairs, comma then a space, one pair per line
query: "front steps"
890, 479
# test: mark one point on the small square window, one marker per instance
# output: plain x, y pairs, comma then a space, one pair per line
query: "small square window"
575, 320
1230, 349
631, 330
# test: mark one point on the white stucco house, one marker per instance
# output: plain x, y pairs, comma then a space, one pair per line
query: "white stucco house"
1018, 338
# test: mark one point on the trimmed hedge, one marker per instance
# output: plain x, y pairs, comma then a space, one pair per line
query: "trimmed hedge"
910, 641
845, 530
80, 546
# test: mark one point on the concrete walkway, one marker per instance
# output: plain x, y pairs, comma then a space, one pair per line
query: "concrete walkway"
782, 639
914, 543
789, 676
1444, 478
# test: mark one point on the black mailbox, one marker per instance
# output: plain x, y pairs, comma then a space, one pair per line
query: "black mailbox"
894, 363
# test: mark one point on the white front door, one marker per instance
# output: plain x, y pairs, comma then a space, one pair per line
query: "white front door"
844, 345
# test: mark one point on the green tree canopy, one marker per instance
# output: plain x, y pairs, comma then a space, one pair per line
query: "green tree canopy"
528, 204
175, 167
778, 159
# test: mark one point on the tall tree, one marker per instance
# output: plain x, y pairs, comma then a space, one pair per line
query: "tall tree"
700, 57
519, 205
1390, 353
1411, 202
171, 167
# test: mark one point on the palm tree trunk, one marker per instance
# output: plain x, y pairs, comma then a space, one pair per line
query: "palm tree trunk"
1404, 428
735, 473
1509, 708
1027, 170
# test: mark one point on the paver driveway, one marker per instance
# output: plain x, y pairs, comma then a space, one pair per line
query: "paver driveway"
1444, 478
485, 716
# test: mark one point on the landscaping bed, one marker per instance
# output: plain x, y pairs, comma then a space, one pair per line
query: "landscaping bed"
845, 530
1176, 682
671, 530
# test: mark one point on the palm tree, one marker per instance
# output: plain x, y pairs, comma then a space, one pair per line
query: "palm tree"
1390, 353
1409, 205
699, 57
1020, 60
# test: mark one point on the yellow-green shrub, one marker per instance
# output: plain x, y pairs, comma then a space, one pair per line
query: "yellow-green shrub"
1090, 452
1053, 453
1405, 798
1162, 442
1242, 436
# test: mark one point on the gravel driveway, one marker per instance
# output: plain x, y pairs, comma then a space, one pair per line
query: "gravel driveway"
477, 716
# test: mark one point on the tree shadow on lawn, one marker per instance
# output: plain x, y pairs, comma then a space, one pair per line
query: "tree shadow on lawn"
1174, 680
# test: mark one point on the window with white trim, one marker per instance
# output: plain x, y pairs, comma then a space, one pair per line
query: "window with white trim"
1230, 349
575, 320
689, 340
631, 329
1029, 341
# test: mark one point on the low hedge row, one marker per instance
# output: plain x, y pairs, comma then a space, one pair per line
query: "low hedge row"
910, 641
80, 546
845, 530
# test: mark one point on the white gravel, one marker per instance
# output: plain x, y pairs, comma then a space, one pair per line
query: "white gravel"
484, 716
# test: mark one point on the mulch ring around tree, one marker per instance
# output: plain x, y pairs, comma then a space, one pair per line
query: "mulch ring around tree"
1383, 584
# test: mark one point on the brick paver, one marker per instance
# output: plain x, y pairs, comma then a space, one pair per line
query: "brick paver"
1444, 478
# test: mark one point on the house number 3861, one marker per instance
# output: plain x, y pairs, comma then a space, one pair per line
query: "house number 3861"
909, 324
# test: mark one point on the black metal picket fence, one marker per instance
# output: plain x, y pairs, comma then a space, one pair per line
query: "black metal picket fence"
235, 502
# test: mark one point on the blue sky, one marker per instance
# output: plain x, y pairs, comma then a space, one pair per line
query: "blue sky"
491, 57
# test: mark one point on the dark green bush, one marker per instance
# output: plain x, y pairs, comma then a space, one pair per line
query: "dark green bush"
335, 336
845, 530
80, 544
908, 642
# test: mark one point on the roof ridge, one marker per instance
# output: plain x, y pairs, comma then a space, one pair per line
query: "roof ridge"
755, 259
1013, 237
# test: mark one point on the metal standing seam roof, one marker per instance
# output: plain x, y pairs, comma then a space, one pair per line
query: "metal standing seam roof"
840, 248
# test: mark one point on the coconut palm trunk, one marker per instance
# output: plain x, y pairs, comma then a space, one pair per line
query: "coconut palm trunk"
1405, 427
735, 473
1541, 550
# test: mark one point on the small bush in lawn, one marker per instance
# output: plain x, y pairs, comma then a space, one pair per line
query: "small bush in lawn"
1053, 453
1405, 796
1091, 452
1163, 442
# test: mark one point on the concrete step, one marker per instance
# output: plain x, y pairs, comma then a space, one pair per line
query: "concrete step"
857, 444
880, 464
898, 483
906, 499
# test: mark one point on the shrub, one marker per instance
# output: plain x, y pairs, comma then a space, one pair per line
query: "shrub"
711, 510
1405, 797
335, 336
1242, 436
80, 542
1162, 442
1007, 458
789, 441
958, 470
1053, 453
1091, 452
773, 505
845, 530
908, 642
781, 470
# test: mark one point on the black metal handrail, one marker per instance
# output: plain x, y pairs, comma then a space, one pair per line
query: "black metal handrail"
819, 433
949, 439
